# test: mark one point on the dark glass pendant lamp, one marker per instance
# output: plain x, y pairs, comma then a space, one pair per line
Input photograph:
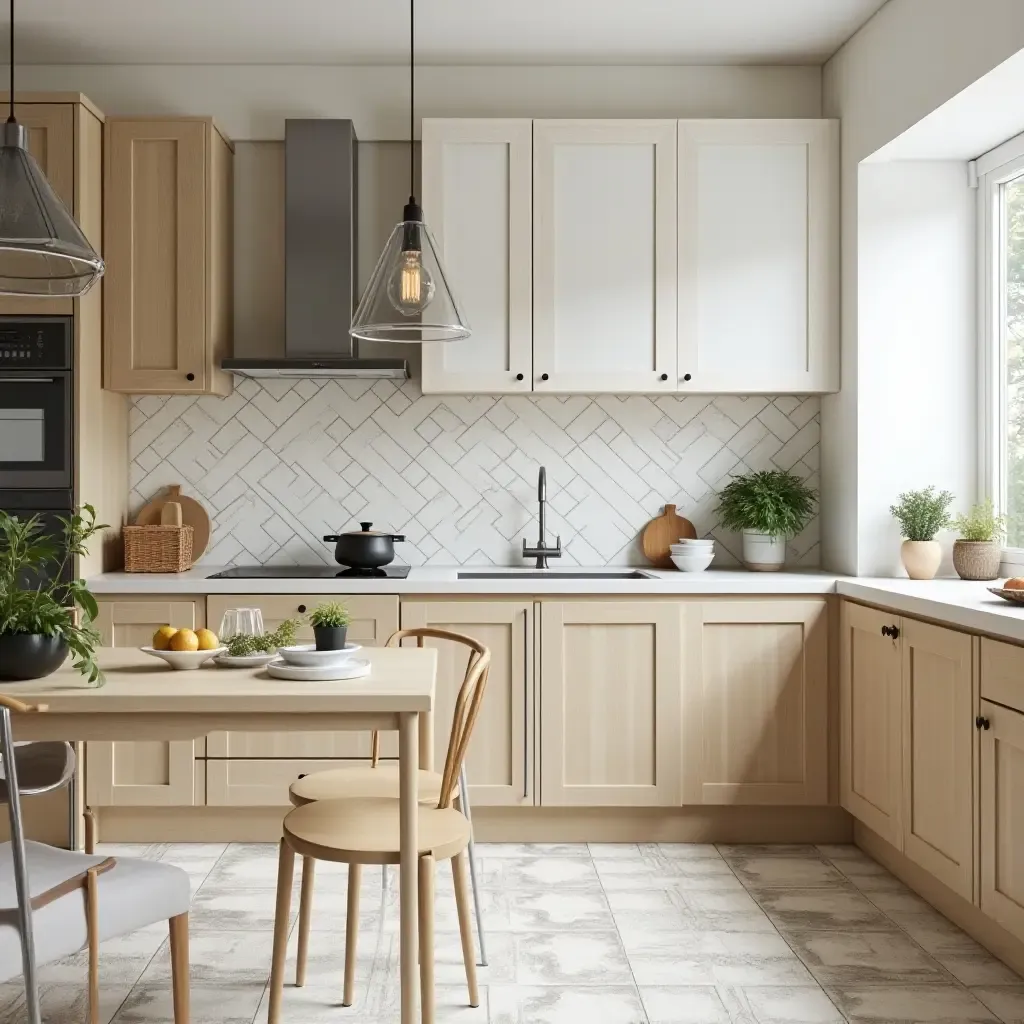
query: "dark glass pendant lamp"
43, 252
408, 298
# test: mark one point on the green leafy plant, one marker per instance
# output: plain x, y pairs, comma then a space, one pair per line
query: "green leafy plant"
330, 614
922, 514
242, 644
981, 523
772, 502
32, 598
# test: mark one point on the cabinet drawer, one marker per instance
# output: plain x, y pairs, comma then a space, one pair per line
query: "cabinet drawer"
258, 783
1002, 674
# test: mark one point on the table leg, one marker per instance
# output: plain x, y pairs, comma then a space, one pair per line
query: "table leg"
427, 740
408, 761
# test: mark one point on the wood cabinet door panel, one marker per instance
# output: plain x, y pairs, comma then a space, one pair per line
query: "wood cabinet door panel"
756, 709
252, 782
1002, 673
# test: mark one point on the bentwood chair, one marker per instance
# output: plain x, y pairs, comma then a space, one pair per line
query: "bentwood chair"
54, 902
365, 830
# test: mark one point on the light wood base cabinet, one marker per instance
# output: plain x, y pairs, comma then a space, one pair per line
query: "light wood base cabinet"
610, 680
150, 773
499, 765
755, 703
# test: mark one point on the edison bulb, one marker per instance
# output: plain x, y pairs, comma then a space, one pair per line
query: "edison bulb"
410, 287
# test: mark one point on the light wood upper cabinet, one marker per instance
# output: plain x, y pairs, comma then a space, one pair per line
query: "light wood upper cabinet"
610, 680
755, 703
499, 765
938, 759
477, 198
604, 256
150, 773
168, 235
758, 256
374, 619
871, 711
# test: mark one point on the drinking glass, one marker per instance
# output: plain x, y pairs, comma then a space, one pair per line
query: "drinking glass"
241, 620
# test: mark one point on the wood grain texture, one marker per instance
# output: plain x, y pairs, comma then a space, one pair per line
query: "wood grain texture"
178, 927
661, 533
1002, 673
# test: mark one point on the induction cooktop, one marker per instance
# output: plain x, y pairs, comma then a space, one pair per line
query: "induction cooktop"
309, 572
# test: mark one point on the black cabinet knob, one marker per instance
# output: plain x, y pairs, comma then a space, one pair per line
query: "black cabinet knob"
664, 376
543, 376
190, 376
519, 376
885, 631
302, 608
686, 376
982, 723
302, 775
894, 632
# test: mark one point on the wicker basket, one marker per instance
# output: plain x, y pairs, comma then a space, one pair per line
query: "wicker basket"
157, 548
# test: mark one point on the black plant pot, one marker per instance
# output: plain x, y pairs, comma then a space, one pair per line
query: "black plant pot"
330, 638
30, 655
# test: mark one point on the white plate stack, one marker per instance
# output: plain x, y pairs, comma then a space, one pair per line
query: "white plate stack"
692, 555
305, 663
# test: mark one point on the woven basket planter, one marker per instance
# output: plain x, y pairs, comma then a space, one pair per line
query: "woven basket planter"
977, 559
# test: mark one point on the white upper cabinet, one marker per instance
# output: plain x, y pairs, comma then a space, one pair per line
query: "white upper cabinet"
758, 256
477, 200
604, 256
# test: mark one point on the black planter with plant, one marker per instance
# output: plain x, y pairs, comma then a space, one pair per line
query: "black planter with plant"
42, 620
330, 622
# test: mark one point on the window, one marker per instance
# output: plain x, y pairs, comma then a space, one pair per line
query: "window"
1001, 295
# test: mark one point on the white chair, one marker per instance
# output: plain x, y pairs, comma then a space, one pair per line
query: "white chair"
54, 903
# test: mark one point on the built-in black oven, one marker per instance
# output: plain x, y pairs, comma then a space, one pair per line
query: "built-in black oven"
36, 403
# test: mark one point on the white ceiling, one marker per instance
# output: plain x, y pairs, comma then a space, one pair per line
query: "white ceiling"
448, 31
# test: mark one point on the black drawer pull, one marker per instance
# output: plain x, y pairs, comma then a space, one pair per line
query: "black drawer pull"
982, 723
302, 608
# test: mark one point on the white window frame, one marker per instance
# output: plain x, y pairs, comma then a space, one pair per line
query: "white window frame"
996, 167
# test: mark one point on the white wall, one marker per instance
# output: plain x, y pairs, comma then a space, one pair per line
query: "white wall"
916, 330
909, 60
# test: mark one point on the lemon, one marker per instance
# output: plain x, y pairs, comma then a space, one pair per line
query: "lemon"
184, 640
207, 640
162, 638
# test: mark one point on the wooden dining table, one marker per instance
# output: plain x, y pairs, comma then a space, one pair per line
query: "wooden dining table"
144, 699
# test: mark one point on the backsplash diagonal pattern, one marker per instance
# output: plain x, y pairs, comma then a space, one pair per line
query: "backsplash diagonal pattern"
279, 463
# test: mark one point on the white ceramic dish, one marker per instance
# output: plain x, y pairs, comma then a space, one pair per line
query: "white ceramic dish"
242, 660
352, 668
694, 562
699, 542
184, 660
308, 655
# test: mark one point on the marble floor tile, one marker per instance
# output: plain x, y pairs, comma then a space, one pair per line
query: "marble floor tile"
679, 909
869, 876
854, 957
569, 910
235, 909
515, 851
744, 851
613, 851
60, 1003
910, 1004
1005, 1001
684, 1004
800, 870
554, 1004
828, 909
560, 873
567, 958
644, 873
725, 1004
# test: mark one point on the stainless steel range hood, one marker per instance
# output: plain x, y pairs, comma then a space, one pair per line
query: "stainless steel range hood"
320, 260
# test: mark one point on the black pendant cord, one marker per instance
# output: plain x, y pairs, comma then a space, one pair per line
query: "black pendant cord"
412, 100
11, 118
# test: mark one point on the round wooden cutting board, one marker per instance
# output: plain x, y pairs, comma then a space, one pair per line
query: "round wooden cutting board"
659, 534
192, 514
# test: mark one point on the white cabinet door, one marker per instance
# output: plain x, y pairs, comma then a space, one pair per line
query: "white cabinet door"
477, 197
604, 256
758, 256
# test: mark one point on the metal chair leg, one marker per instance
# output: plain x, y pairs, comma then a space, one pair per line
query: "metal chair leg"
464, 800
28, 947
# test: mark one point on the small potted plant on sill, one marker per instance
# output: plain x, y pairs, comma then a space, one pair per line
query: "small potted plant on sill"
979, 549
39, 621
330, 626
921, 515
767, 508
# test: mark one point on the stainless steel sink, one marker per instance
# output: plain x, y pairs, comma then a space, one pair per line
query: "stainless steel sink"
555, 574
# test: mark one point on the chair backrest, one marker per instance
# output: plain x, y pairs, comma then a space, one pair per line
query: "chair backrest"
467, 704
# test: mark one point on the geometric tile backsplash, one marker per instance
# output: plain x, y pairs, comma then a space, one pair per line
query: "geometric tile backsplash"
279, 463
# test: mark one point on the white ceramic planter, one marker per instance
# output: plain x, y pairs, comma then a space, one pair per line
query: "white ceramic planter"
763, 553
921, 558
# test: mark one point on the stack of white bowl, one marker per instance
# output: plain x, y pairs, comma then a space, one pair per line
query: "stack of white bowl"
693, 555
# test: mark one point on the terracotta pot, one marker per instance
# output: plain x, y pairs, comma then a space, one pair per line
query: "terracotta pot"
977, 559
763, 553
921, 558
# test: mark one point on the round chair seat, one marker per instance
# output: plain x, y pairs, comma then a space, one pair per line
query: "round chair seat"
366, 831
362, 782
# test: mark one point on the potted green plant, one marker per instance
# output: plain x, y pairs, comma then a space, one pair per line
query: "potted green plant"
979, 549
39, 623
766, 507
330, 626
921, 515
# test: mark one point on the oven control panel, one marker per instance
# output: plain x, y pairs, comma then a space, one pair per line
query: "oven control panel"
35, 343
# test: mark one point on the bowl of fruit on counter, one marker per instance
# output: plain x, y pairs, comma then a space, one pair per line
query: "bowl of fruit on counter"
184, 648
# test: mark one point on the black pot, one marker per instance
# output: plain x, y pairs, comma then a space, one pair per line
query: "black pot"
30, 655
330, 638
364, 549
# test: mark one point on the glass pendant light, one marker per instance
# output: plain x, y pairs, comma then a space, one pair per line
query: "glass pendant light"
42, 250
408, 297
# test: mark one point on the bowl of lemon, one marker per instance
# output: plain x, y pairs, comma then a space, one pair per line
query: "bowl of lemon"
184, 649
